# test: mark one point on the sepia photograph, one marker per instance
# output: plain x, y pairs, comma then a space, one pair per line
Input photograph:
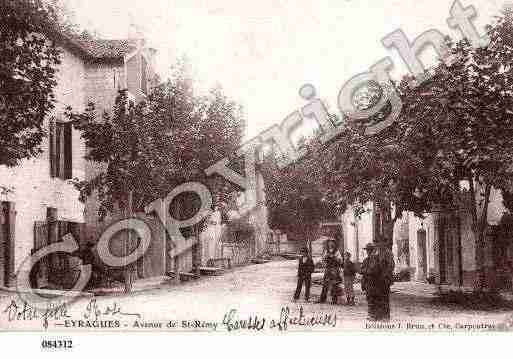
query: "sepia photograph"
240, 167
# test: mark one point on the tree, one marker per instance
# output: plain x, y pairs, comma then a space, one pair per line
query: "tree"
151, 147
27, 76
294, 197
358, 170
465, 109
456, 126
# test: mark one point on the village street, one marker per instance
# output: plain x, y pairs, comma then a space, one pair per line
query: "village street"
261, 290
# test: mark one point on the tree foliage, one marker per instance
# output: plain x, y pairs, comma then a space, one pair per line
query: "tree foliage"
456, 126
294, 195
465, 110
150, 147
27, 76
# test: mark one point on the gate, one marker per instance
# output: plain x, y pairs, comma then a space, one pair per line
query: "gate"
239, 246
272, 244
238, 252
57, 269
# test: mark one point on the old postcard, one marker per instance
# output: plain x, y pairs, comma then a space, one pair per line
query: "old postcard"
174, 166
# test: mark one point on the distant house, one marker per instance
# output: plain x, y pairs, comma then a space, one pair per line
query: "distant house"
243, 234
42, 205
442, 248
439, 248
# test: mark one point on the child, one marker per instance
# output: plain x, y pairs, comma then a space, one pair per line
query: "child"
349, 275
331, 278
304, 274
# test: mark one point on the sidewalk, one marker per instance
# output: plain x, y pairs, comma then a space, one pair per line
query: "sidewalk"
418, 289
139, 285
425, 290
265, 289
5, 291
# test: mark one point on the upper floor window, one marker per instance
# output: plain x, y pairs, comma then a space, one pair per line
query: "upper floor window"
61, 149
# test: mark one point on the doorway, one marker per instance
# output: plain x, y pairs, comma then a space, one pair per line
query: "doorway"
422, 254
7, 225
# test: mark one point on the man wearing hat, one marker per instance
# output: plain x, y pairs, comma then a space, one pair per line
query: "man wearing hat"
304, 273
370, 278
387, 264
377, 271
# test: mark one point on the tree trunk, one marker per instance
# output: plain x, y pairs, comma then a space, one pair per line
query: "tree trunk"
479, 226
481, 241
460, 250
480, 267
384, 222
128, 268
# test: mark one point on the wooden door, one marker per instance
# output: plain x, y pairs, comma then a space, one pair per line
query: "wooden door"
7, 225
3, 246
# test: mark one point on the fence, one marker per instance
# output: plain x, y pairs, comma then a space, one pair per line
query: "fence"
239, 253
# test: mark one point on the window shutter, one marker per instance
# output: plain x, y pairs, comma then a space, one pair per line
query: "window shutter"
59, 158
52, 145
68, 151
61, 149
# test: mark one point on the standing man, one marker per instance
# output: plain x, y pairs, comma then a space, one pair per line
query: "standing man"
370, 280
349, 275
304, 274
377, 271
387, 264
332, 260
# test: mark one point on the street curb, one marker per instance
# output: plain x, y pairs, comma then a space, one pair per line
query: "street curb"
49, 292
136, 287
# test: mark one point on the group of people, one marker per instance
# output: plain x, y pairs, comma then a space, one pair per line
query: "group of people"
376, 270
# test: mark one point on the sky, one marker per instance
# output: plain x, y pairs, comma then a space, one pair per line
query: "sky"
262, 52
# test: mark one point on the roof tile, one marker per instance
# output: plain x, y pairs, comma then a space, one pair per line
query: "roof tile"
101, 49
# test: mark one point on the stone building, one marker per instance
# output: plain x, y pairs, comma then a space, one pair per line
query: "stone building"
439, 248
357, 232
41, 204
113, 65
442, 248
243, 235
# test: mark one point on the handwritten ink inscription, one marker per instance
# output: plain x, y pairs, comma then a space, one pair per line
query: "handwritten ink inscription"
93, 315
231, 321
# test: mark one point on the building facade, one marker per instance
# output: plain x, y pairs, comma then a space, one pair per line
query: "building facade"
442, 248
41, 204
357, 231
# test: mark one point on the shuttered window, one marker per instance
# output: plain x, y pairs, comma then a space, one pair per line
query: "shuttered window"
61, 149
